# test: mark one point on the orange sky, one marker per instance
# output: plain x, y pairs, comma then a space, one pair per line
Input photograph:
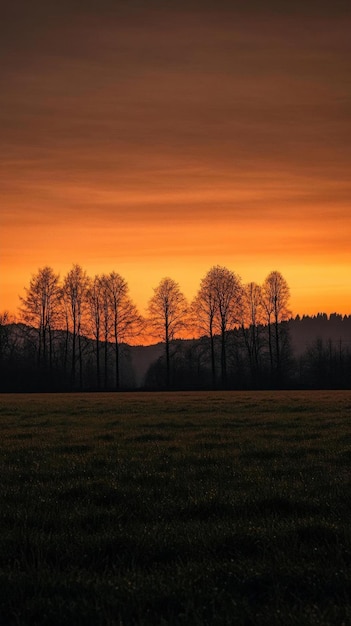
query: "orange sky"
162, 141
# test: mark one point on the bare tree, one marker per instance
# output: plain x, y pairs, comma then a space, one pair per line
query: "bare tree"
40, 308
203, 313
125, 321
217, 310
95, 304
75, 289
275, 300
251, 324
228, 290
106, 325
167, 315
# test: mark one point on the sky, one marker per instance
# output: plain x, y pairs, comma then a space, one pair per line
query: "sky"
162, 138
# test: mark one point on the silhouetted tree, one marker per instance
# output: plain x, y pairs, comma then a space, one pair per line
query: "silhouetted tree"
203, 314
95, 304
251, 325
167, 314
4, 334
275, 300
75, 290
227, 289
125, 321
106, 326
40, 309
4, 339
216, 308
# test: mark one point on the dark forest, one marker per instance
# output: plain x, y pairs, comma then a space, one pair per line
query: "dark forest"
315, 354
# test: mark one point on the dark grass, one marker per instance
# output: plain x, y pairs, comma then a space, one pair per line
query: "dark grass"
187, 508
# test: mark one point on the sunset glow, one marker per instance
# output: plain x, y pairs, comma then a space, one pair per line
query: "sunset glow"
161, 141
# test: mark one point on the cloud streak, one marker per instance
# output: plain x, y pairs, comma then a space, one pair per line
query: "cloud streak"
153, 134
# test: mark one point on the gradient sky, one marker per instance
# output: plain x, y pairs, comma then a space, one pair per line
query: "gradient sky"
164, 140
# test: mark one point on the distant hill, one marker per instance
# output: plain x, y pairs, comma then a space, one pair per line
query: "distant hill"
306, 330
141, 358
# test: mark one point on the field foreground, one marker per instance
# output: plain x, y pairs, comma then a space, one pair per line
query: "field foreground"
175, 508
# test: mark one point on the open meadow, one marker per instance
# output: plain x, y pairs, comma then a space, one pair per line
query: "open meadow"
176, 508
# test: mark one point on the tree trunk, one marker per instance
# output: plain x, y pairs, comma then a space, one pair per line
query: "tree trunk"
213, 361
277, 347
80, 356
106, 362
270, 347
117, 363
98, 380
223, 358
168, 376
73, 367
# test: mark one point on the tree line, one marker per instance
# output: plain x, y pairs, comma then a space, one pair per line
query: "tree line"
77, 327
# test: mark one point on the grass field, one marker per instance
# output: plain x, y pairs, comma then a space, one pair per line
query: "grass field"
176, 508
